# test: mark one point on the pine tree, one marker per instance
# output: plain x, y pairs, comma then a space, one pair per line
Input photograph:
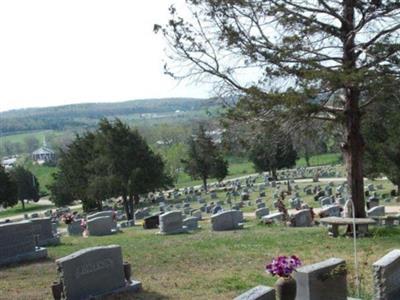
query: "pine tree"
204, 159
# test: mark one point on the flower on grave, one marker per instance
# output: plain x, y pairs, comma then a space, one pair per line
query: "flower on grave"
283, 266
67, 218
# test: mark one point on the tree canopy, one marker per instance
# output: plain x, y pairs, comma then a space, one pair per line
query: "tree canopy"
111, 161
293, 59
204, 158
272, 150
8, 189
381, 130
27, 184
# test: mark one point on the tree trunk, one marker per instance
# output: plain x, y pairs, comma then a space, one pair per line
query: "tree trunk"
353, 147
126, 207
274, 175
205, 183
130, 207
23, 204
307, 156
136, 198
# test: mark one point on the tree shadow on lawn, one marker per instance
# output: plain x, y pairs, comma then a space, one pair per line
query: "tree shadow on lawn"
142, 295
44, 260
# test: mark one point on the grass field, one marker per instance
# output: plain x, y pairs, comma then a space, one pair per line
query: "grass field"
204, 264
20, 138
17, 209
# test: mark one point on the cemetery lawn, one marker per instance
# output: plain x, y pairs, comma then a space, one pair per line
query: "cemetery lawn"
205, 264
29, 208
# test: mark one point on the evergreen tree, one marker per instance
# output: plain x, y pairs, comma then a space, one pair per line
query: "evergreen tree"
110, 162
272, 150
204, 159
8, 189
381, 129
27, 185
292, 59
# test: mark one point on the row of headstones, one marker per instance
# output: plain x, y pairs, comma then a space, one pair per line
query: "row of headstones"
173, 222
327, 280
98, 224
25, 240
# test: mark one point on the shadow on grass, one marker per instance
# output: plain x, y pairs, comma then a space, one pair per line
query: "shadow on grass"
26, 263
384, 231
142, 295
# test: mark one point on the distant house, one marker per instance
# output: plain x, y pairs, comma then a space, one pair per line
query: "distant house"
9, 162
43, 155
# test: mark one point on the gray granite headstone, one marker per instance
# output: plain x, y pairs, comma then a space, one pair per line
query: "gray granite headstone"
301, 218
17, 243
275, 217
261, 212
171, 222
42, 228
75, 228
331, 211
260, 292
377, 211
100, 226
227, 220
191, 223
324, 280
387, 276
93, 272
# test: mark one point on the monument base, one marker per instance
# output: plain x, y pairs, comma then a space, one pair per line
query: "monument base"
50, 242
178, 231
30, 256
134, 286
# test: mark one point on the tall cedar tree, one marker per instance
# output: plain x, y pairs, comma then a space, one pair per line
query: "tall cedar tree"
381, 130
291, 59
272, 150
204, 159
8, 189
112, 161
27, 185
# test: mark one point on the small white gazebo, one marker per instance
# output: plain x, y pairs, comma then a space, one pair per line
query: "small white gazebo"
43, 154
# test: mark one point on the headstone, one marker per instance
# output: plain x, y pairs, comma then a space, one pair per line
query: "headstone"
301, 218
17, 243
171, 222
377, 211
191, 223
273, 218
100, 226
372, 202
94, 272
107, 213
386, 274
325, 201
260, 292
197, 214
75, 228
151, 222
260, 205
245, 196
43, 229
216, 209
261, 212
227, 220
324, 280
331, 211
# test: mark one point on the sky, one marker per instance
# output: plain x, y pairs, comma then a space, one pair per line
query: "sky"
57, 52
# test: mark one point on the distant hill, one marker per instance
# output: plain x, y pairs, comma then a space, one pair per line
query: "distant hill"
84, 115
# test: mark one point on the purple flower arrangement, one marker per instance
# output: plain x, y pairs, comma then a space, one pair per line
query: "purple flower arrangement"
283, 266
